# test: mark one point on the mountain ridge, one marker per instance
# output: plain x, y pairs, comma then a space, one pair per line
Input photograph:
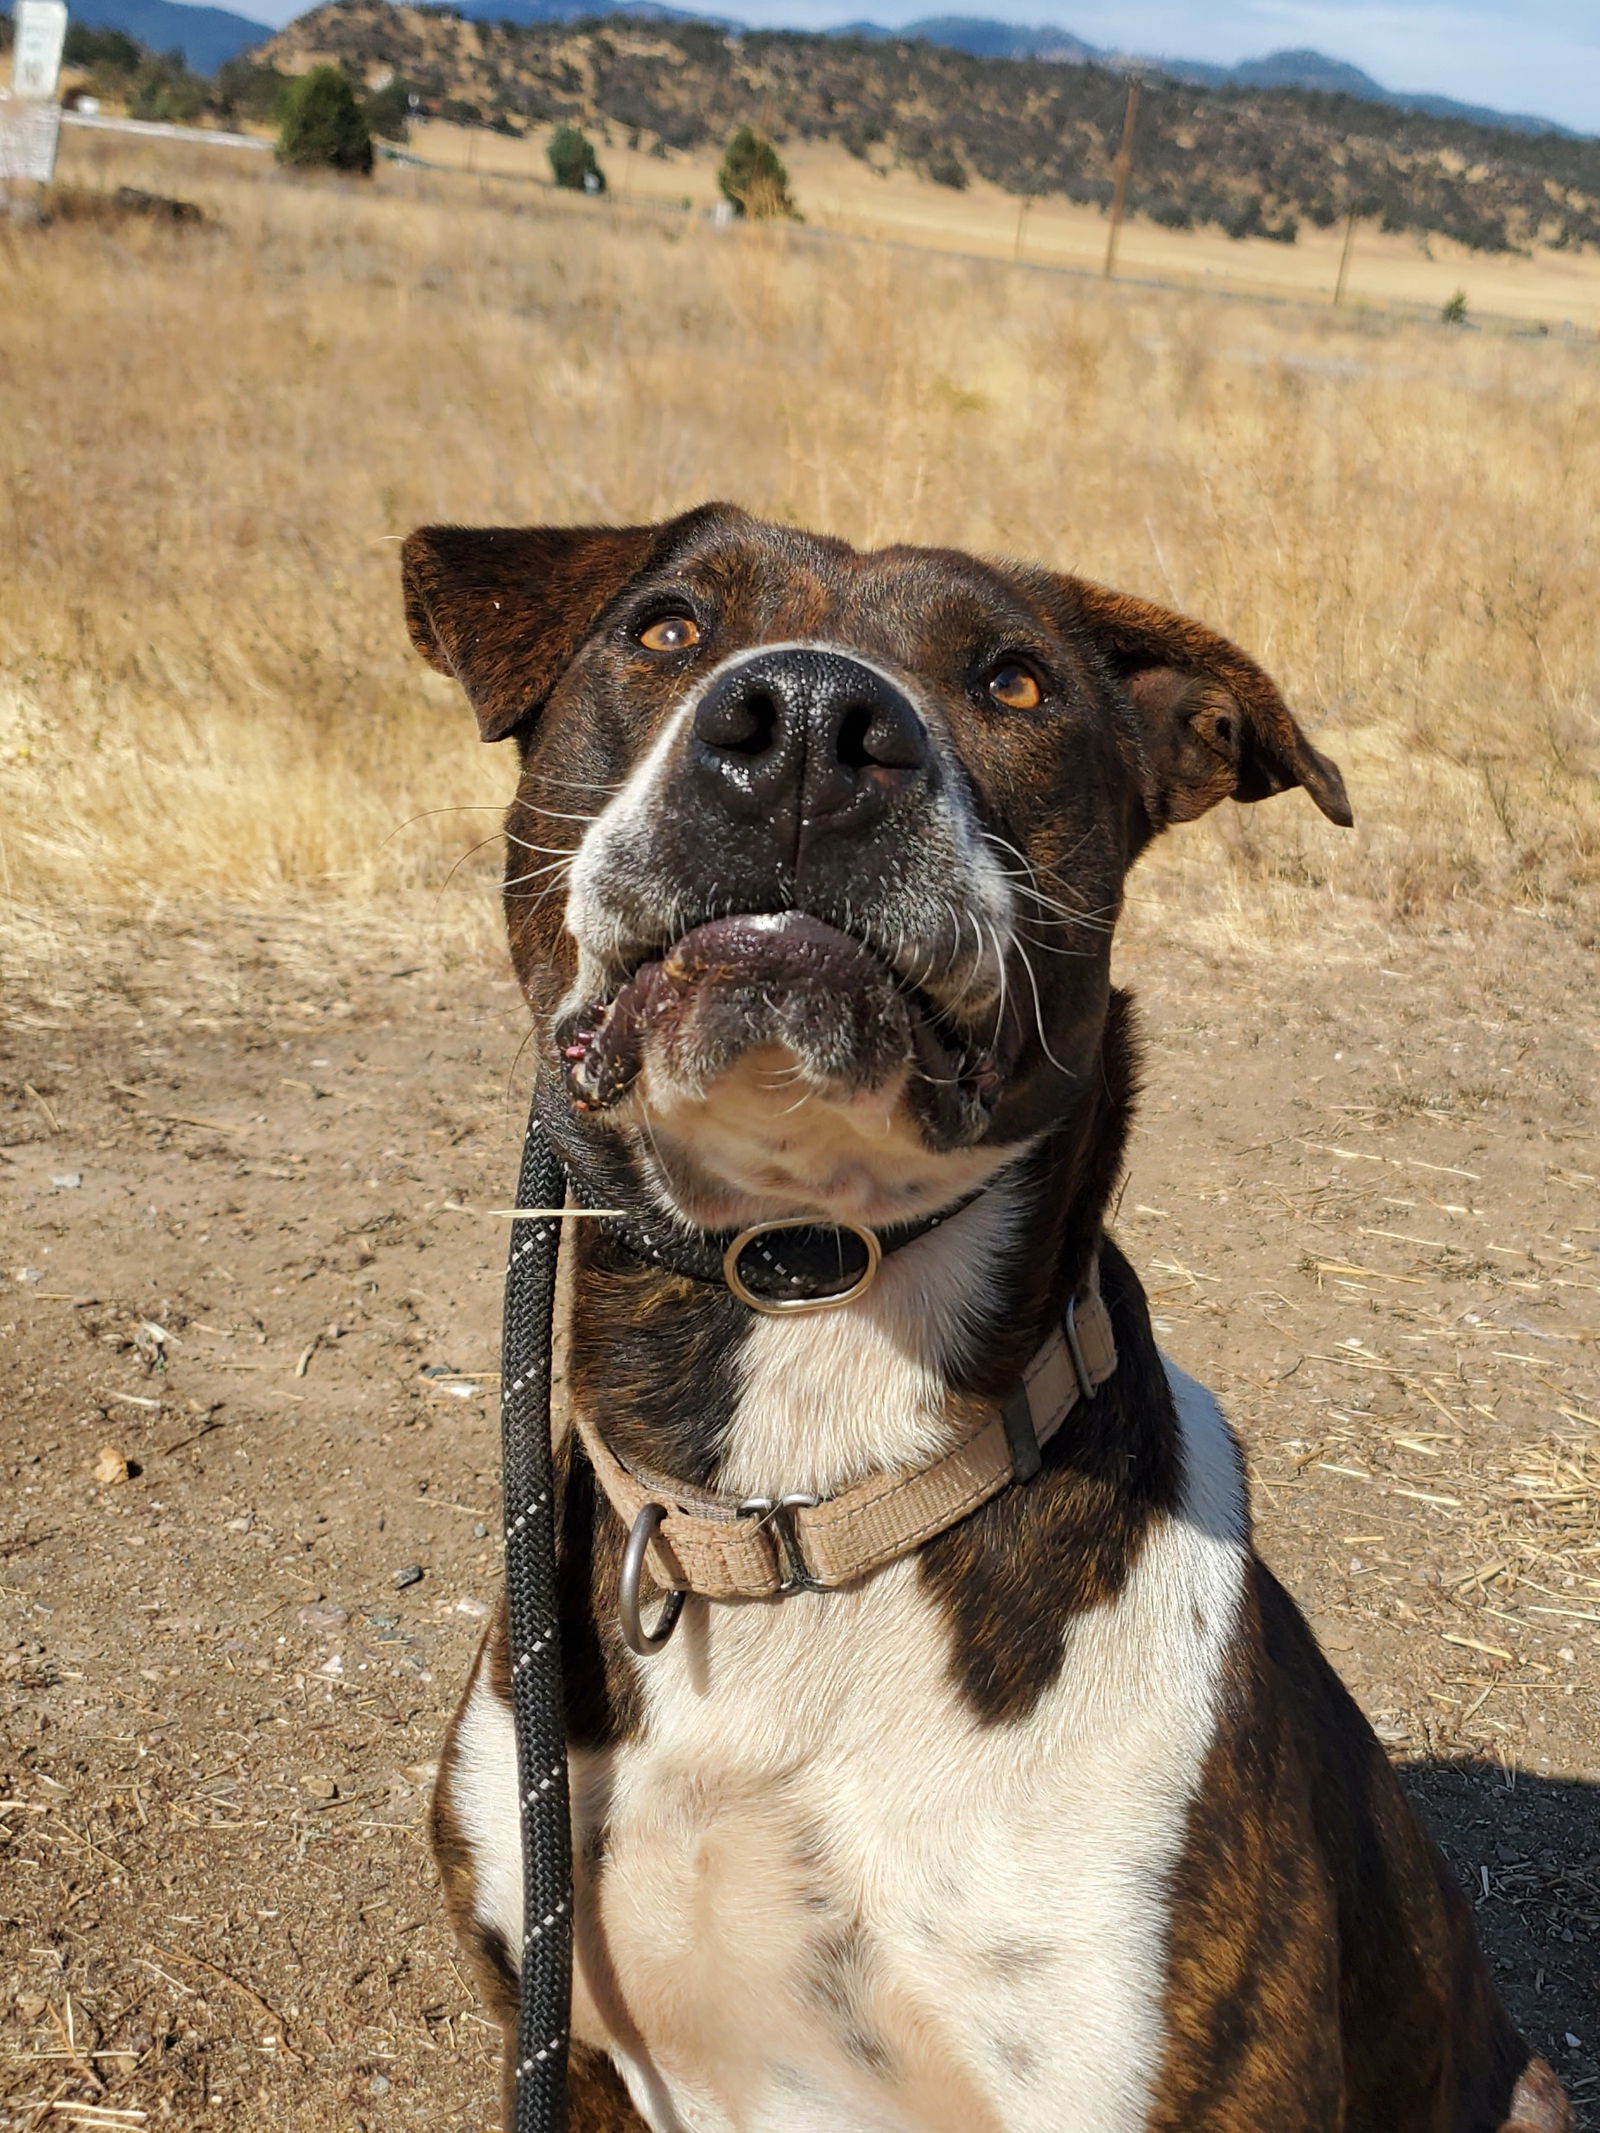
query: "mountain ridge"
1254, 162
987, 37
1296, 67
208, 36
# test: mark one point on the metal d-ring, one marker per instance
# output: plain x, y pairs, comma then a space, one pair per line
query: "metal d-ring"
635, 1636
798, 1306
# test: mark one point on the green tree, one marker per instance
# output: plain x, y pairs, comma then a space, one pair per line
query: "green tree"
321, 125
573, 162
753, 178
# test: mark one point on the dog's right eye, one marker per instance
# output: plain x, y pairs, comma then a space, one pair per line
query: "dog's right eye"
670, 633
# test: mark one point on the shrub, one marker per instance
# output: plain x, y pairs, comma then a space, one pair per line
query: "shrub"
246, 91
573, 163
165, 90
948, 170
1455, 312
752, 177
100, 51
322, 126
388, 110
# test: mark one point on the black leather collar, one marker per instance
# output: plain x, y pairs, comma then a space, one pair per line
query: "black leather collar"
777, 1267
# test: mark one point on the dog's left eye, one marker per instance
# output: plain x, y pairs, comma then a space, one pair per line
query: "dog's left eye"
670, 633
1015, 686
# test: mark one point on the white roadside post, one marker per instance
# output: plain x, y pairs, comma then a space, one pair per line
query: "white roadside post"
30, 117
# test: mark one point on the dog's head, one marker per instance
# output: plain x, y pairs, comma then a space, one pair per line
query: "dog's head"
816, 854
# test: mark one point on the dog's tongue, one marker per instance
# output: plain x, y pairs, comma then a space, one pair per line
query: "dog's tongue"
788, 952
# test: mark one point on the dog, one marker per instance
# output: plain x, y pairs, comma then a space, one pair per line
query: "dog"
943, 1758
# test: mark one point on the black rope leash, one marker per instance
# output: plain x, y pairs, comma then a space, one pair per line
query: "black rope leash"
537, 1704
811, 1263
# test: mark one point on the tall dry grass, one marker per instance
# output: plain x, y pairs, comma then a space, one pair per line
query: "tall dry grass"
211, 442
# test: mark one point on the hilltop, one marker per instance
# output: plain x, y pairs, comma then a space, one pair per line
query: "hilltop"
1253, 161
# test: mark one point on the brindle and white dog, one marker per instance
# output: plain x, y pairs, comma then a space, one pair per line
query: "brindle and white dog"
1060, 1823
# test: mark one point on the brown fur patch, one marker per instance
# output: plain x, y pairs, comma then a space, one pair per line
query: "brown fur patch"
1319, 1949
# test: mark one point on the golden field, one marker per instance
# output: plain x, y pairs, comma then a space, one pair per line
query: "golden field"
212, 440
840, 195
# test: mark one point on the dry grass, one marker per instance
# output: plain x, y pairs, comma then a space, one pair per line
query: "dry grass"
1399, 270
211, 440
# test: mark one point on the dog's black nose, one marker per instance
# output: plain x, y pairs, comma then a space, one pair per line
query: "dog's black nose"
807, 738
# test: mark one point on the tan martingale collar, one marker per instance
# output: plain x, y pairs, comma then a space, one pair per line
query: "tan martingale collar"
727, 1550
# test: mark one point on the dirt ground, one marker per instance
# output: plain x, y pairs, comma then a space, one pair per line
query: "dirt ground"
249, 1267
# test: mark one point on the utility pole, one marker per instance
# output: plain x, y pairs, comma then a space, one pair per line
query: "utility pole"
1344, 258
1022, 217
1119, 196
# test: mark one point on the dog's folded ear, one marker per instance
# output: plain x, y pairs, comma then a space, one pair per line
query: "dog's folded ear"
1212, 725
504, 609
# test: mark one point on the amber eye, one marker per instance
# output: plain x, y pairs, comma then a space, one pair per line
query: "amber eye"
1015, 687
673, 633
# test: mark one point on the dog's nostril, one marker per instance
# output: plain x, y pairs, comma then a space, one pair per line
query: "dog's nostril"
871, 736
743, 722
853, 745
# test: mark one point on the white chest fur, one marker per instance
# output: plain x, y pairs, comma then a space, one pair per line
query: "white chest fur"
832, 1900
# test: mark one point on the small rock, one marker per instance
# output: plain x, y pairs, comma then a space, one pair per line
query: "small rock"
318, 1786
335, 1665
31, 2005
480, 1531
68, 1181
110, 1466
1574, 2044
476, 1608
322, 1621
410, 1575
379, 2084
379, 1619
30, 1273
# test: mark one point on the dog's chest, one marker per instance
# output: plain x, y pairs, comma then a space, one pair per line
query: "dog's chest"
829, 1898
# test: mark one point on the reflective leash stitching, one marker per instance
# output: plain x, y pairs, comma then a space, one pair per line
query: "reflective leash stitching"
532, 1606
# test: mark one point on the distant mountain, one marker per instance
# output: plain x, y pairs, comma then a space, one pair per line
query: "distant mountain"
1305, 69
1298, 69
531, 11
979, 36
206, 36
1000, 40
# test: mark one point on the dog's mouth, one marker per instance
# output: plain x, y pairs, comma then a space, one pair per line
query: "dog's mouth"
782, 983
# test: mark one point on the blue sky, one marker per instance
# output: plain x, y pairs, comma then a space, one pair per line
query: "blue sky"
1518, 55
